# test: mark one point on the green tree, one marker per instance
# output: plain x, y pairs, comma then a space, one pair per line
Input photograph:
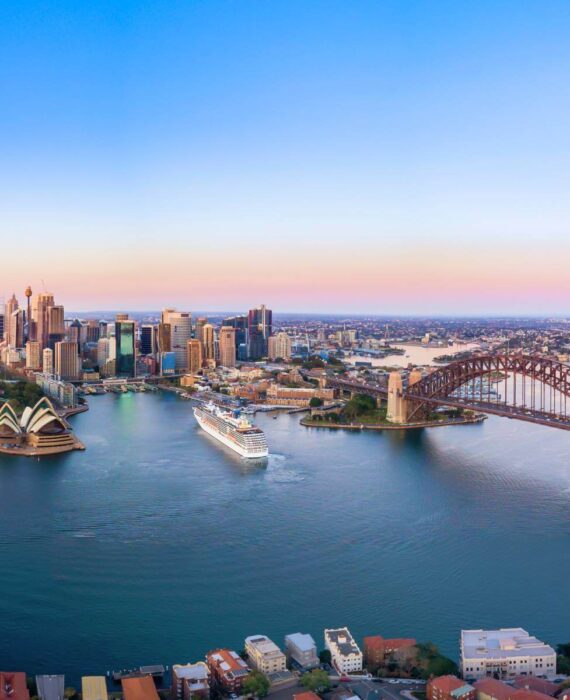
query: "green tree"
256, 684
315, 402
359, 405
316, 680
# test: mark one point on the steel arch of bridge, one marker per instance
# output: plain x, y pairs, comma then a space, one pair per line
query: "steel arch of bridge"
439, 386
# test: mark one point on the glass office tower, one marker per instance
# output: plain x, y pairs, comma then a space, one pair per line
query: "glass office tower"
126, 356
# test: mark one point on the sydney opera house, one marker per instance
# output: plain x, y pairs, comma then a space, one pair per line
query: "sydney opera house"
39, 431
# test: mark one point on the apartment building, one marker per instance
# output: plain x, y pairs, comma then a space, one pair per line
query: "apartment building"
345, 653
190, 681
302, 650
228, 670
265, 655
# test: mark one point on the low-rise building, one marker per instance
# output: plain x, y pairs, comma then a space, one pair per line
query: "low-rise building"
94, 688
190, 681
140, 688
302, 650
541, 685
345, 652
228, 670
13, 686
450, 688
306, 695
264, 654
505, 653
289, 396
492, 689
378, 651
524, 694
50, 687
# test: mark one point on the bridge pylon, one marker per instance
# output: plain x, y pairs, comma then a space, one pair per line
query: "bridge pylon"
397, 405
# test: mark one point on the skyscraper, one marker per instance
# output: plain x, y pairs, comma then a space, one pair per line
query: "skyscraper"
164, 337
56, 325
195, 358
33, 355
208, 341
125, 331
10, 307
200, 323
16, 323
66, 360
240, 323
93, 330
227, 343
148, 339
260, 327
41, 304
180, 334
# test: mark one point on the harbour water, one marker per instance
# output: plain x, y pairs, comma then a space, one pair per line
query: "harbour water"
158, 543
416, 354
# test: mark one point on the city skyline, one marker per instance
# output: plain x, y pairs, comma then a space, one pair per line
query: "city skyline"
405, 159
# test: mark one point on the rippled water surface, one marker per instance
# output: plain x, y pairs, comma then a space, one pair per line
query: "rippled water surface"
157, 543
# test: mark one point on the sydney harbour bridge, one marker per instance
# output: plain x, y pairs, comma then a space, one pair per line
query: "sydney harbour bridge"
524, 387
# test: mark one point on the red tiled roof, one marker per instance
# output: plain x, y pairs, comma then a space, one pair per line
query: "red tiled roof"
376, 642
306, 695
524, 694
494, 688
142, 688
13, 686
400, 643
447, 683
235, 664
539, 684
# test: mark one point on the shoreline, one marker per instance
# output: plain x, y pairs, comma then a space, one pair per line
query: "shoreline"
308, 423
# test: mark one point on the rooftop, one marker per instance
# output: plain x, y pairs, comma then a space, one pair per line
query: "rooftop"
94, 688
493, 687
263, 644
303, 642
230, 663
50, 687
343, 640
501, 643
449, 684
13, 686
141, 688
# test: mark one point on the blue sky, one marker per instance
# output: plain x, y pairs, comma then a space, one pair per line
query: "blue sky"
242, 137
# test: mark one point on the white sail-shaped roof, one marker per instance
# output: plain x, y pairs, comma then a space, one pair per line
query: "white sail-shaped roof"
9, 419
41, 415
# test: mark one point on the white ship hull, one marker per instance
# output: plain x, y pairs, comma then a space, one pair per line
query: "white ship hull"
248, 453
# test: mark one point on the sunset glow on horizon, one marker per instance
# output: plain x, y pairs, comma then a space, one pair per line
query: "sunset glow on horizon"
374, 158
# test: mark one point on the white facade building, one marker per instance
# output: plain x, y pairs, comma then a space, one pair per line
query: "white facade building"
345, 653
505, 653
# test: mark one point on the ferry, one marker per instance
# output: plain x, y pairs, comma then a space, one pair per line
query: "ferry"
233, 430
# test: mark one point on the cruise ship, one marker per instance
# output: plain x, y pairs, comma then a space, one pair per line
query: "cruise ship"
233, 430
